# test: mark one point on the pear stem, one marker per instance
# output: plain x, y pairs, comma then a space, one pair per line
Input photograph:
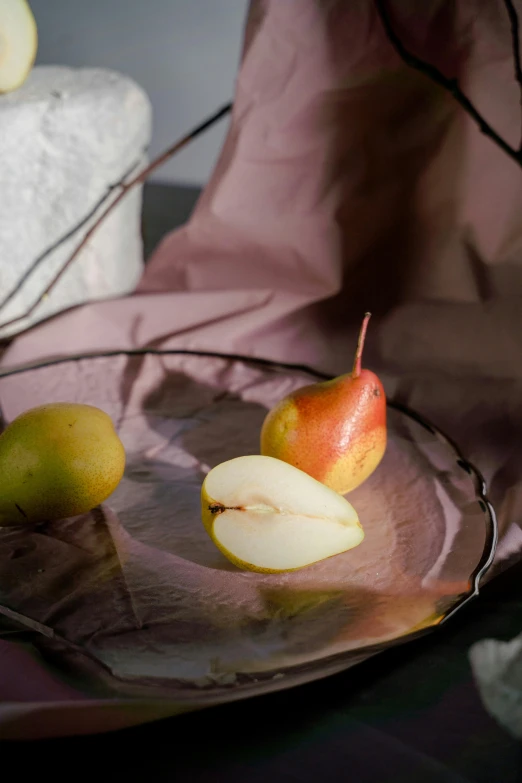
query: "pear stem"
360, 345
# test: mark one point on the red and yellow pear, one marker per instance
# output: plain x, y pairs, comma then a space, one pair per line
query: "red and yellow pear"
335, 430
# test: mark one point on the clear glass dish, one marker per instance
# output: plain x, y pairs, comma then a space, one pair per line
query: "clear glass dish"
133, 600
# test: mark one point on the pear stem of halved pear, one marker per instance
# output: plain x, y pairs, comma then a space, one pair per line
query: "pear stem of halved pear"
356, 371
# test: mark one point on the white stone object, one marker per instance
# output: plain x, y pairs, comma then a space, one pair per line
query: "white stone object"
66, 136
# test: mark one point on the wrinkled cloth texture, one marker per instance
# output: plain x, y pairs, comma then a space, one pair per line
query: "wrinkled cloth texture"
349, 182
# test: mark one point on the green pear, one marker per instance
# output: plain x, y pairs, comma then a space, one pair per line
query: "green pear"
56, 461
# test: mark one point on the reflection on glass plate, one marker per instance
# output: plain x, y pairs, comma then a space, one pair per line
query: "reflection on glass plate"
134, 600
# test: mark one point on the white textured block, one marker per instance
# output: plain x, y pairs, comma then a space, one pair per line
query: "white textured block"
66, 136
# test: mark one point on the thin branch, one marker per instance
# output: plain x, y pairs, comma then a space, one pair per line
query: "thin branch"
449, 84
515, 42
124, 189
515, 38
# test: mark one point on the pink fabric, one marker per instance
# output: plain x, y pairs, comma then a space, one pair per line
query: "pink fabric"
347, 183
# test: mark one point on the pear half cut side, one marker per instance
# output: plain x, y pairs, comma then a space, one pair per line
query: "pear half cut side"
266, 515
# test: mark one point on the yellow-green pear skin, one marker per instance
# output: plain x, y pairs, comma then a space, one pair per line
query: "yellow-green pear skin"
57, 461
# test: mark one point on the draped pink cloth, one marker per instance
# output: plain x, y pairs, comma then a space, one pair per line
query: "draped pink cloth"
350, 182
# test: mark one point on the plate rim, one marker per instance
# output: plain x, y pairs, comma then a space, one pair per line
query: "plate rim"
481, 489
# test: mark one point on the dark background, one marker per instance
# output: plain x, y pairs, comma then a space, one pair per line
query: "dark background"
165, 207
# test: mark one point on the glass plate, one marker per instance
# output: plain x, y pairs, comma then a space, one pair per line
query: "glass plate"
133, 600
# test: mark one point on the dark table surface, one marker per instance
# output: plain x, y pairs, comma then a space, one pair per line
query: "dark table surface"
410, 714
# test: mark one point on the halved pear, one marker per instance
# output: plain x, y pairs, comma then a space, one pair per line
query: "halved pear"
18, 43
266, 515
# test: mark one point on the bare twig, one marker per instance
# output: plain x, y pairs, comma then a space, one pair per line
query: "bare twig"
515, 38
449, 84
124, 189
